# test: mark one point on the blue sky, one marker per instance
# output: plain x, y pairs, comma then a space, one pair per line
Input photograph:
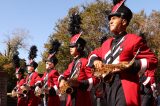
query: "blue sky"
39, 17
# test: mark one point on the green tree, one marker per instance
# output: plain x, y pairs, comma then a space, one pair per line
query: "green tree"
13, 43
95, 24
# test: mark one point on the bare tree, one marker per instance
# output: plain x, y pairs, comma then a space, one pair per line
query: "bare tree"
15, 41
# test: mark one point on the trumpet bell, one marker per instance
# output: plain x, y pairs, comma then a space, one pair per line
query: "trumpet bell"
69, 90
66, 88
25, 91
41, 96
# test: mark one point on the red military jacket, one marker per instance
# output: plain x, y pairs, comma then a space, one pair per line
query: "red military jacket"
51, 79
84, 73
21, 100
31, 79
20, 83
126, 49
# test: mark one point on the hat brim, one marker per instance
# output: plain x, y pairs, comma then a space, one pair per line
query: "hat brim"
72, 45
114, 14
28, 65
47, 60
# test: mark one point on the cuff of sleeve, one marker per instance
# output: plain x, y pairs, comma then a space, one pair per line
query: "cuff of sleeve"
56, 89
146, 81
90, 80
135, 68
60, 78
38, 83
91, 60
143, 65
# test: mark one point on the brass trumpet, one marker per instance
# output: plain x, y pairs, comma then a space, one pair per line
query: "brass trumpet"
15, 93
72, 82
25, 89
66, 88
9, 94
40, 92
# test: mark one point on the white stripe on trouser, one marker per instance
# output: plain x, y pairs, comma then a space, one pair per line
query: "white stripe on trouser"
44, 100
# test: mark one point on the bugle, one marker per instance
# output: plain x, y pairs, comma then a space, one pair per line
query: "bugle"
66, 88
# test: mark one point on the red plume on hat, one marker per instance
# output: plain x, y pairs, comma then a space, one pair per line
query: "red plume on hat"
74, 39
119, 9
117, 4
32, 56
74, 28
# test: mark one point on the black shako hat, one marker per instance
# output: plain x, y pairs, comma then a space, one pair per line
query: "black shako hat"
52, 58
32, 55
20, 70
119, 9
16, 63
76, 32
77, 40
32, 63
55, 44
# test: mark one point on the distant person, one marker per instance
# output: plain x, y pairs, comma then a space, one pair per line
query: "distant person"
147, 90
31, 78
17, 91
49, 82
78, 75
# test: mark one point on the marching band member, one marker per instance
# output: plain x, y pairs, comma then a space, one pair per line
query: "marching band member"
123, 90
32, 78
49, 81
17, 91
147, 89
78, 75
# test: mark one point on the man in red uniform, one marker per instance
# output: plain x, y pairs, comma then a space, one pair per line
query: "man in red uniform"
123, 90
17, 91
49, 81
22, 99
32, 78
81, 90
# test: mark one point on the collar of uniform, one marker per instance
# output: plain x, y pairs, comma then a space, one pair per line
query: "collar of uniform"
49, 70
31, 72
20, 78
119, 36
76, 58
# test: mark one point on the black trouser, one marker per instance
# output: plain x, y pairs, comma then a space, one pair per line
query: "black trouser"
147, 100
114, 94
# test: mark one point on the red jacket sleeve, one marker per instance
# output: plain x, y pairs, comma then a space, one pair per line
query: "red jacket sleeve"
66, 73
90, 78
94, 55
148, 61
34, 79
